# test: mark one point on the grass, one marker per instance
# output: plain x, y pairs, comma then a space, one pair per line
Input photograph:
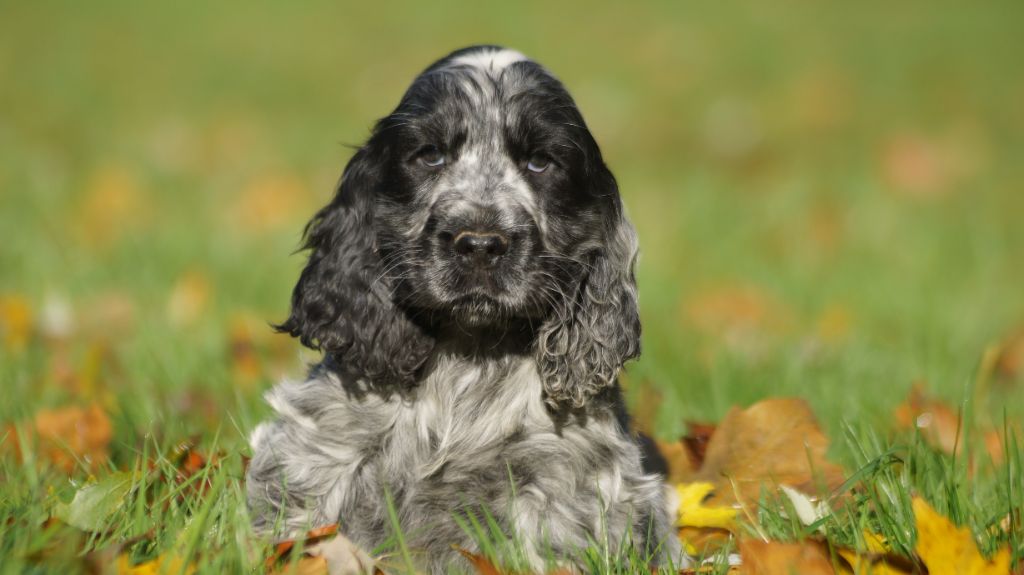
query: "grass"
828, 200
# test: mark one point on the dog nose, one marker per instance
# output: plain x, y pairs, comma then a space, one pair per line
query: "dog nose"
480, 247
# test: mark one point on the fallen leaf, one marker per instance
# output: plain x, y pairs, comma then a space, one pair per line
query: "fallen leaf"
693, 512
15, 322
743, 318
809, 510
775, 558
773, 442
162, 564
684, 456
70, 435
677, 459
1010, 362
930, 166
283, 548
696, 441
704, 541
305, 565
938, 423
950, 550
481, 564
878, 558
245, 363
95, 503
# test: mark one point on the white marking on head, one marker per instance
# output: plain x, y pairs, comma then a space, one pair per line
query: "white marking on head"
490, 59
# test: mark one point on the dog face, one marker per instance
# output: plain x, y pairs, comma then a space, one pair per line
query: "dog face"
481, 201
491, 197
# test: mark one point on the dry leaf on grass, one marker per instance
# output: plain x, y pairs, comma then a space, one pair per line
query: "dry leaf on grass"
775, 558
696, 441
742, 318
481, 564
160, 565
1010, 362
324, 552
776, 442
938, 423
773, 442
15, 322
67, 436
950, 550
694, 513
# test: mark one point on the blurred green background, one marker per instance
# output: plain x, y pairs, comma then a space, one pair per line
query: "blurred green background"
828, 195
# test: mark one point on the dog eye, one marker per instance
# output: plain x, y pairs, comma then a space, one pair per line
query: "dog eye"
431, 156
538, 163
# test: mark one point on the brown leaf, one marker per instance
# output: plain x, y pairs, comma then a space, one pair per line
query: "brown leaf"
685, 456
305, 565
1010, 363
482, 564
931, 166
775, 558
680, 466
696, 441
938, 423
284, 548
246, 367
773, 442
744, 319
68, 435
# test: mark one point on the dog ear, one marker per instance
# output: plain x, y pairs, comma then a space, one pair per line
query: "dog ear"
341, 304
581, 350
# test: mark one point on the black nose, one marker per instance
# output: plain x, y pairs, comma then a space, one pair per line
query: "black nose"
480, 247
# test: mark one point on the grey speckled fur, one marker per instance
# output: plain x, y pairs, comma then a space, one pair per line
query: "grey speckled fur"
474, 433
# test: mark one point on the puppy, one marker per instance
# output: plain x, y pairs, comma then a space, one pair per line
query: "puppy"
471, 288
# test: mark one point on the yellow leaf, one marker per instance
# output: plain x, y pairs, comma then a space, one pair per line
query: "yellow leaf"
950, 550
15, 322
156, 566
693, 512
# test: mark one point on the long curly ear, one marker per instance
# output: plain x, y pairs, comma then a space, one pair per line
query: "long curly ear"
580, 351
341, 304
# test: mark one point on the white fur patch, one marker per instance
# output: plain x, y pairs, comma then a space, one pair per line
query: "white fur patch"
490, 60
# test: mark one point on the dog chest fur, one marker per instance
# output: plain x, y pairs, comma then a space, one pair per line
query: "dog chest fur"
474, 435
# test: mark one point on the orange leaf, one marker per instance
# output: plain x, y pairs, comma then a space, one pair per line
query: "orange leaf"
773, 442
65, 436
284, 548
774, 558
482, 564
938, 423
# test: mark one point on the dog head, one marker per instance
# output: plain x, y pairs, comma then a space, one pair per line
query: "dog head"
482, 201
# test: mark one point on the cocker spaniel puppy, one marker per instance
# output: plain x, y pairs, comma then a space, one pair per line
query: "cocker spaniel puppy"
471, 287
